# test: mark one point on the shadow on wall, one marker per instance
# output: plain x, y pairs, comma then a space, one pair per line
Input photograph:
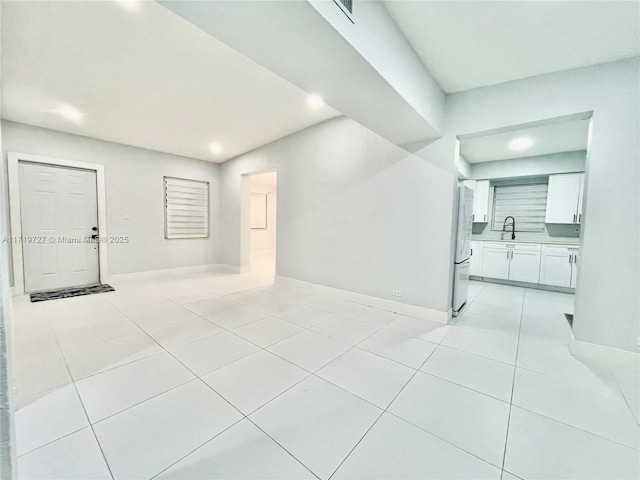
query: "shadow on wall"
356, 212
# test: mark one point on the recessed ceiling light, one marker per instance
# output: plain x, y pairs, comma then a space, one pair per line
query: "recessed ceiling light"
68, 112
315, 101
216, 148
131, 5
521, 143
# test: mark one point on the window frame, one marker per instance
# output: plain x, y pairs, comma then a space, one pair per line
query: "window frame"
166, 206
537, 181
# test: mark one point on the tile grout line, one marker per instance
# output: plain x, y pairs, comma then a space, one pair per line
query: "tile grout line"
306, 377
311, 374
198, 377
626, 400
513, 383
225, 399
75, 387
386, 410
577, 428
197, 448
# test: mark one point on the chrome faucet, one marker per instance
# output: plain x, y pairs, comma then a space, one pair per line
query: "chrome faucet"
513, 227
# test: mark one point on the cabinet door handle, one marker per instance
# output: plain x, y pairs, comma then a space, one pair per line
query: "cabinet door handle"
570, 258
574, 218
507, 255
485, 218
579, 218
471, 253
575, 259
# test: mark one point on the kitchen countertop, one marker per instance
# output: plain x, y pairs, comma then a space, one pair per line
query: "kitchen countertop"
563, 241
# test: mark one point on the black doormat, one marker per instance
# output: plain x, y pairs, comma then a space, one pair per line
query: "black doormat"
569, 317
71, 292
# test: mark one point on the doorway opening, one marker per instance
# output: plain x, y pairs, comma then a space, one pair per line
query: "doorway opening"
527, 183
263, 206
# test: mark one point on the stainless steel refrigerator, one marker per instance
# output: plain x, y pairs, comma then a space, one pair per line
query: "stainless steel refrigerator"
463, 249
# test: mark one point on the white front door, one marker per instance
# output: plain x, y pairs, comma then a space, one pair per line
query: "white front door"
59, 213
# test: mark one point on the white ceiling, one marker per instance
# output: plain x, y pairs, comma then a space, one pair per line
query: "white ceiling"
143, 77
470, 44
552, 138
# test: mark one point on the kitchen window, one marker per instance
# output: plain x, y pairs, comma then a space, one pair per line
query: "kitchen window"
527, 203
186, 208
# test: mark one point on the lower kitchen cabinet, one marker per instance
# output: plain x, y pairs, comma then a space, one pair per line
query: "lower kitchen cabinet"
495, 261
475, 268
559, 265
525, 264
518, 262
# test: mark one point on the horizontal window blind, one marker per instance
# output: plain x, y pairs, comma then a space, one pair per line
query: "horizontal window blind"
348, 4
526, 203
186, 208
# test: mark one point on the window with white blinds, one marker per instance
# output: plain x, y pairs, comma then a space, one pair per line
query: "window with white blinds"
186, 208
526, 203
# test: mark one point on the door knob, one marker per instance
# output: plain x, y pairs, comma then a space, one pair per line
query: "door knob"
95, 229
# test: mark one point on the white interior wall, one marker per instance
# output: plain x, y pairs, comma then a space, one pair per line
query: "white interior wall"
377, 37
607, 307
566, 162
134, 186
7, 430
356, 212
264, 240
464, 168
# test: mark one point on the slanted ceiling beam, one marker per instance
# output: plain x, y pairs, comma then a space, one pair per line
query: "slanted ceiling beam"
298, 43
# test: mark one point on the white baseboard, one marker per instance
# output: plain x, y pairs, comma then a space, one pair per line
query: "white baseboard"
152, 274
381, 303
603, 353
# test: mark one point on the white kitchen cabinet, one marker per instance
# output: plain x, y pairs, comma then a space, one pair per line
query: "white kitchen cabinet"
559, 265
524, 265
476, 258
481, 201
495, 261
519, 262
564, 198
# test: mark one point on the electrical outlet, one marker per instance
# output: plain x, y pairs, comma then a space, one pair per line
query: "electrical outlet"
396, 293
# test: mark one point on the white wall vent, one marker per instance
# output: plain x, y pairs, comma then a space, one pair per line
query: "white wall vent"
346, 6
186, 208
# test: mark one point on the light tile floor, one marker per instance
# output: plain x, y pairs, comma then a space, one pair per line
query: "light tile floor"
210, 376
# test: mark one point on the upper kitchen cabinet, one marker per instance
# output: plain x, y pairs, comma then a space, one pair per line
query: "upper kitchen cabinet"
481, 201
564, 198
